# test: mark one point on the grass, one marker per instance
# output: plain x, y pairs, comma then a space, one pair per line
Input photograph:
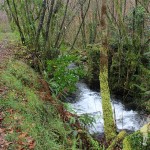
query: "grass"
31, 122
12, 37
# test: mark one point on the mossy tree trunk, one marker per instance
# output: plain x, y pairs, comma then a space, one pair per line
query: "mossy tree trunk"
109, 125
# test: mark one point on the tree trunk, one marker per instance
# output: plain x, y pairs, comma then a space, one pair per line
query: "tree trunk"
16, 20
109, 125
61, 27
40, 25
49, 20
81, 25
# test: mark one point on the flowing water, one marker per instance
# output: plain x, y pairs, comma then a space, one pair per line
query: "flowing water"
89, 102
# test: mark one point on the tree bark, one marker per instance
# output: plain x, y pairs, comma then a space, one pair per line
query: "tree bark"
109, 124
40, 25
62, 24
16, 20
80, 26
49, 20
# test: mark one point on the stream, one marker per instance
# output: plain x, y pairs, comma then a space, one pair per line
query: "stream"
89, 102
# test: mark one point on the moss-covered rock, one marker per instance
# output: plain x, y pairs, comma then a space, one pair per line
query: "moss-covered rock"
137, 141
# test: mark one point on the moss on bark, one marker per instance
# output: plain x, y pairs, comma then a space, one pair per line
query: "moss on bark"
109, 125
118, 138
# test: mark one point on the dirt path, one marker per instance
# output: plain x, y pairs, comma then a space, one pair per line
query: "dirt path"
6, 52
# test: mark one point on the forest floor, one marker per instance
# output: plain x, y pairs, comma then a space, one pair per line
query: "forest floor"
6, 52
22, 92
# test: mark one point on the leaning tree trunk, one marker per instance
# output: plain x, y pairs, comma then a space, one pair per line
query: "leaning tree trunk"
109, 125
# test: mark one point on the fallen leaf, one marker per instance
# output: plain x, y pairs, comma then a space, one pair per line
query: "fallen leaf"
23, 135
1, 119
10, 111
31, 142
11, 131
32, 145
20, 148
1, 130
8, 143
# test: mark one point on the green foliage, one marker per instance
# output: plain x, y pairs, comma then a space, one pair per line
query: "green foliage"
30, 114
62, 78
135, 142
31, 120
93, 61
92, 29
43, 37
129, 72
87, 120
95, 144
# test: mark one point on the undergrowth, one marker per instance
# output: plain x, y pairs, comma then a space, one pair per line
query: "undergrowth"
30, 122
135, 141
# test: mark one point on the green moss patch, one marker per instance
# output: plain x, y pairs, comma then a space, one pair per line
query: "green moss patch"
135, 142
19, 74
